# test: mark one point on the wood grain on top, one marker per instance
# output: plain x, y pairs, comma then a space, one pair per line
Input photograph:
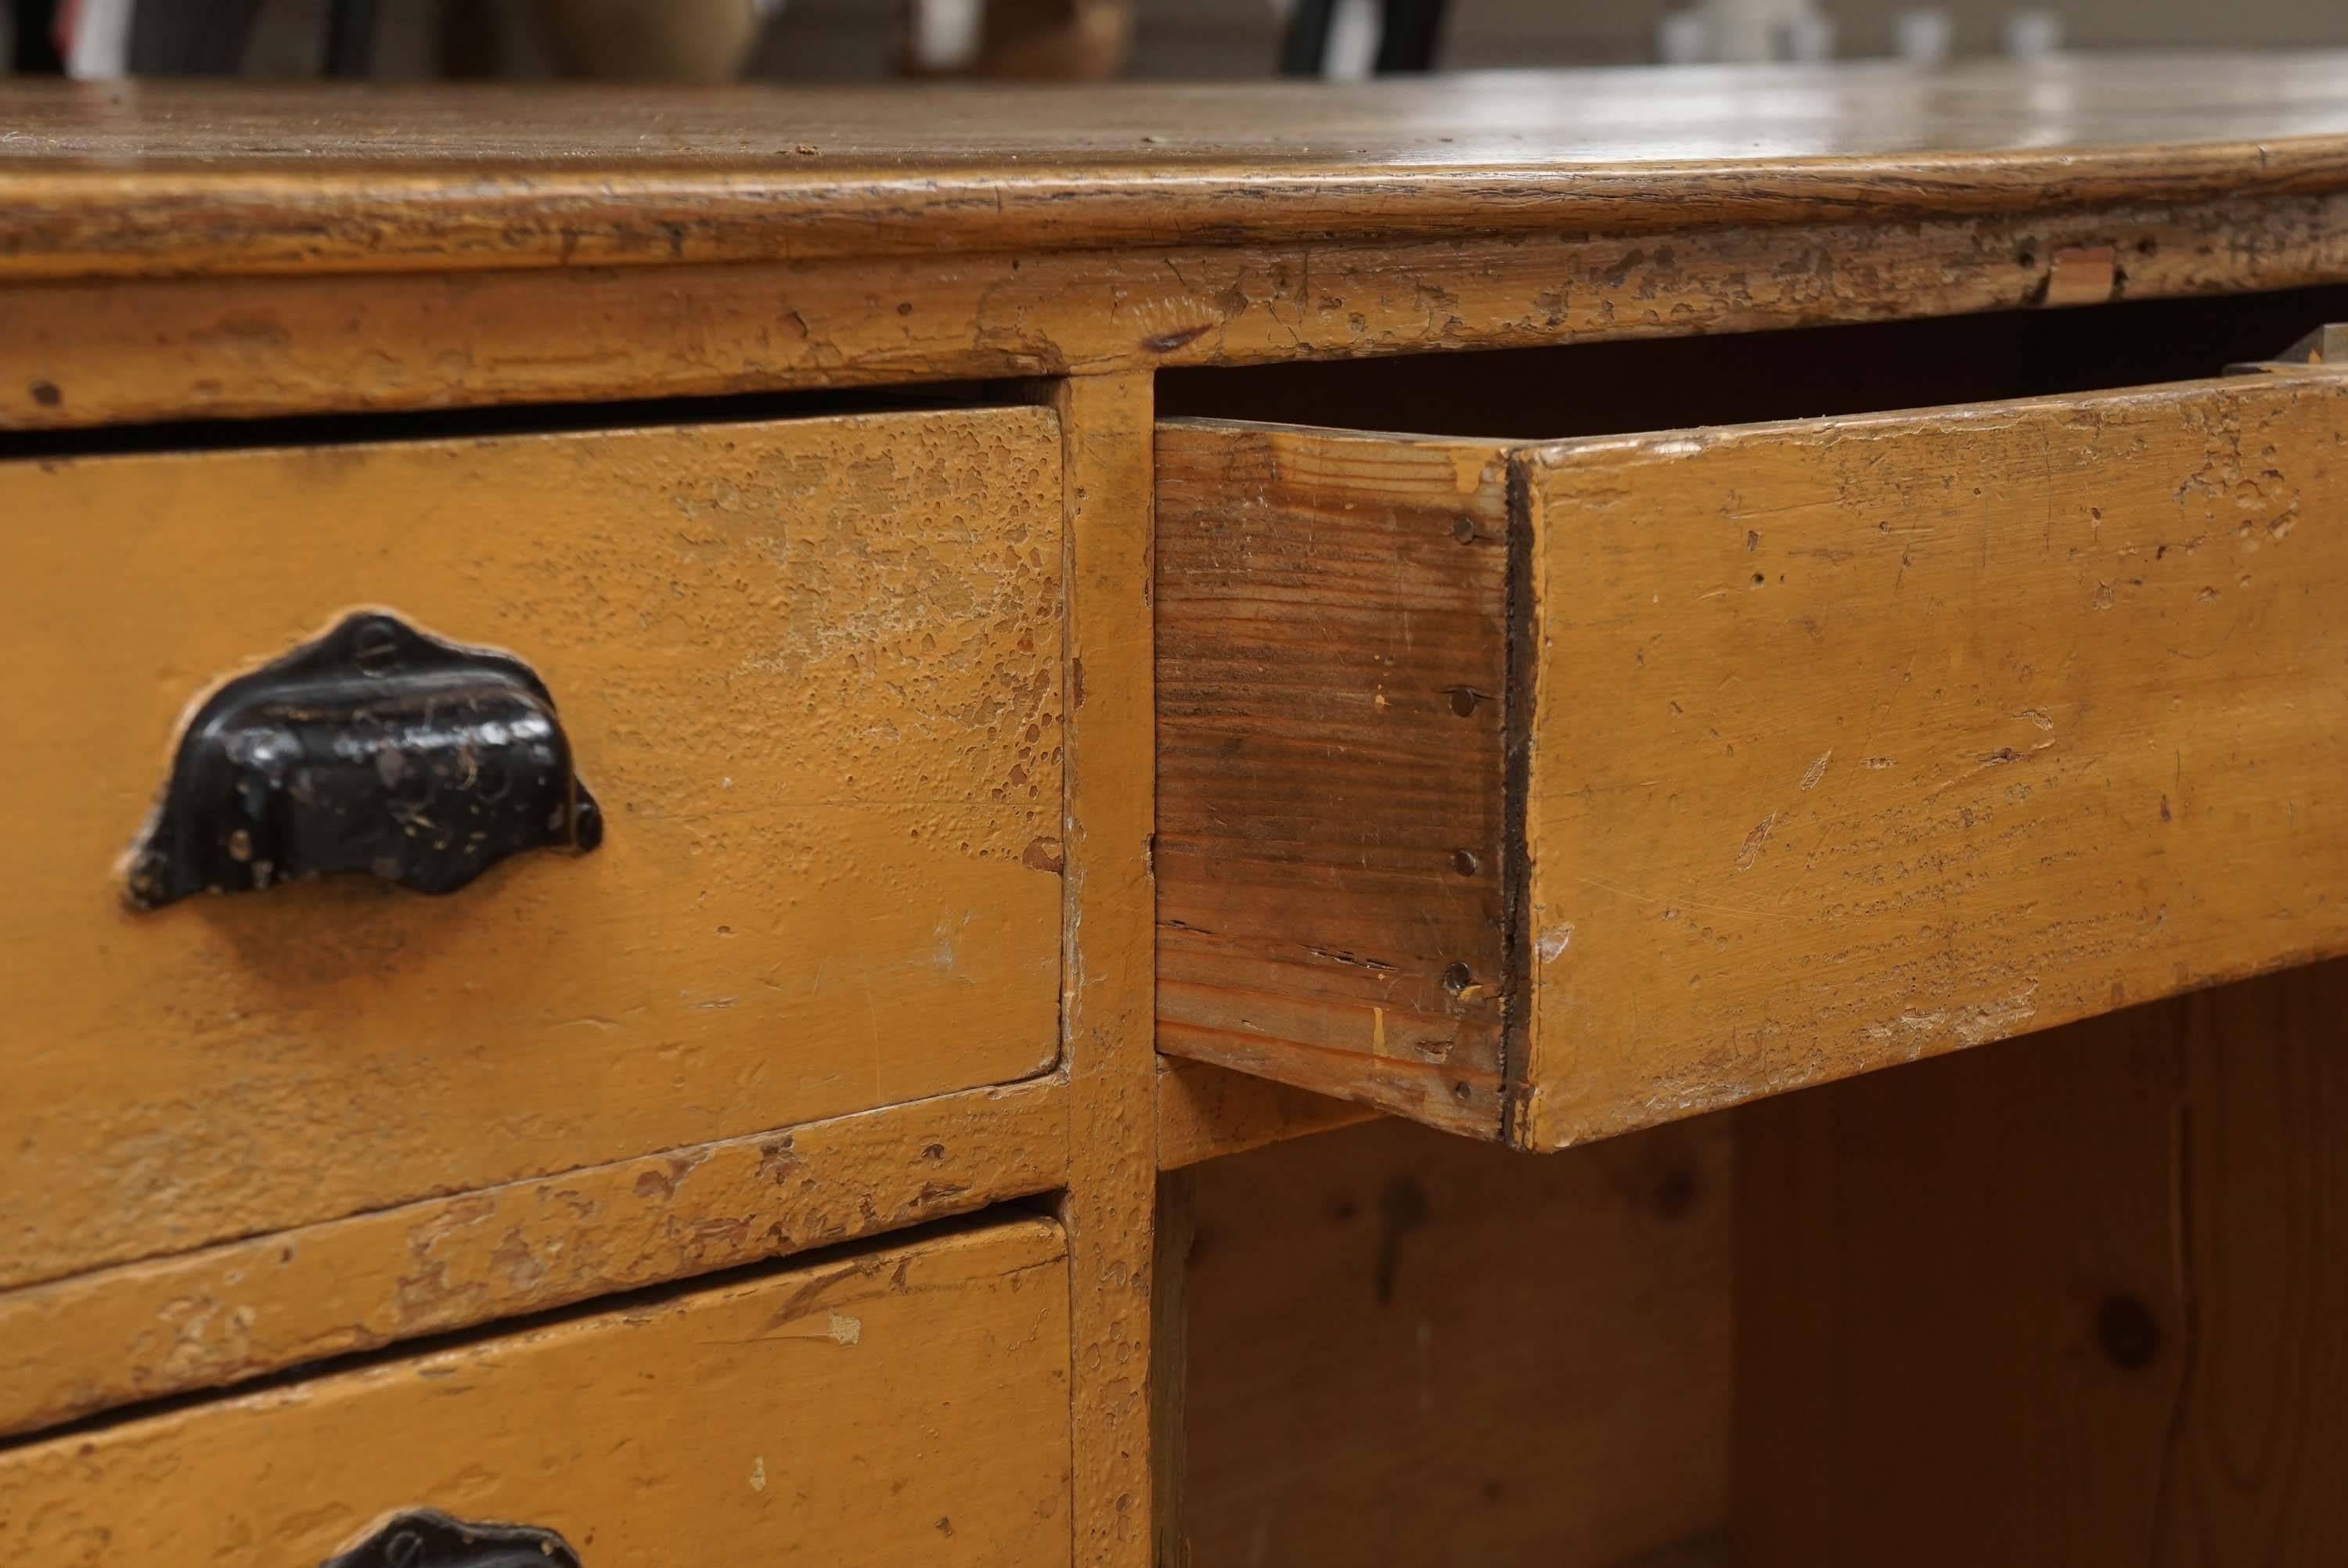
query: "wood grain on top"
160, 177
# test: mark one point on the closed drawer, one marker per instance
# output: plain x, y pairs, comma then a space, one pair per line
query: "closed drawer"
908, 1405
1540, 791
810, 671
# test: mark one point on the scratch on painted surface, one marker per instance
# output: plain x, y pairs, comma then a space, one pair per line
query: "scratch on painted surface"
1554, 940
1818, 769
1753, 840
1976, 1024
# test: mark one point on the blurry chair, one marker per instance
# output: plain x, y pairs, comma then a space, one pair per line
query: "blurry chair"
651, 40
1408, 37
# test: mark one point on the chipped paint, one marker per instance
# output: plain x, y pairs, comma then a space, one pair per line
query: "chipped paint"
637, 1425
857, 621
2003, 599
165, 1326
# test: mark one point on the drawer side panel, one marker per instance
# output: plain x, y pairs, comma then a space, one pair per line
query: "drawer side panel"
1330, 670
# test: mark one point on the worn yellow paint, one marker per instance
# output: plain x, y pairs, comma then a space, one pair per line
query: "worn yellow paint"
110, 350
812, 671
225, 1314
906, 1406
1859, 740
1110, 929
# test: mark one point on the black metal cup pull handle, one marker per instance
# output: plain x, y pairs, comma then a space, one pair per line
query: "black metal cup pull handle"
377, 748
426, 1538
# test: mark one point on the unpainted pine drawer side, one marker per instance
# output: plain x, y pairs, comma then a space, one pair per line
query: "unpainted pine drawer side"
1331, 669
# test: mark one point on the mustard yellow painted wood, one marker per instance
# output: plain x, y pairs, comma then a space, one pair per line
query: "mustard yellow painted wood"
113, 349
224, 1314
1111, 928
812, 671
906, 1406
1858, 740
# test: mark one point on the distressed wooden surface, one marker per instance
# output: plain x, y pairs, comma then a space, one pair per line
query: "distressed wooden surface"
128, 178
908, 1404
104, 351
1330, 856
243, 1309
1850, 741
2078, 1298
1108, 1207
812, 671
1860, 740
1205, 1112
1410, 1348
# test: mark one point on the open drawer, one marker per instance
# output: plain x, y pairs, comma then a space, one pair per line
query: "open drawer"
906, 1404
1543, 790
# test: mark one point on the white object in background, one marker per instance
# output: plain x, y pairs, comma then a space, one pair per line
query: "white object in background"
946, 33
1808, 38
1923, 37
1355, 28
100, 49
1746, 30
2034, 34
1683, 38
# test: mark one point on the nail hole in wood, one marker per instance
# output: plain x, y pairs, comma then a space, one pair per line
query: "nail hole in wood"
2126, 1331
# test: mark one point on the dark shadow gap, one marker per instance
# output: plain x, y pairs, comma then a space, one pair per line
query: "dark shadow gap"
1666, 384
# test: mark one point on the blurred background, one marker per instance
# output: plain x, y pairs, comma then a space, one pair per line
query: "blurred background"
710, 40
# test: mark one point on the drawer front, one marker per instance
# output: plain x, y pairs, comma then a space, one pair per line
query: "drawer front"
907, 1406
810, 671
1829, 745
